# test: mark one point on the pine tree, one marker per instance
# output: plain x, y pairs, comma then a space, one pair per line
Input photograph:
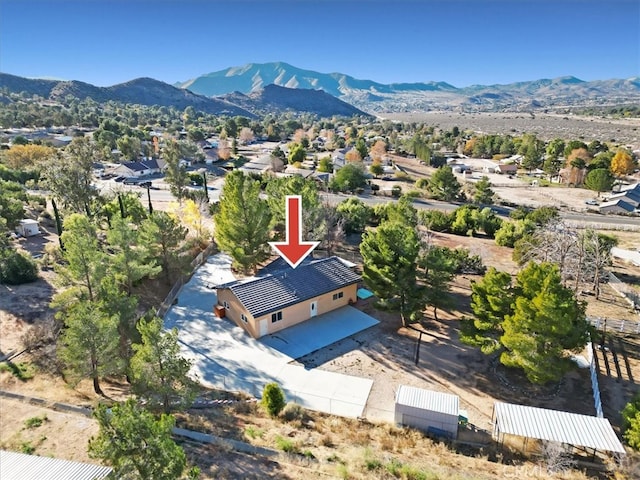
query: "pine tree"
242, 223
85, 262
131, 260
163, 234
158, 372
137, 445
389, 255
483, 194
89, 343
491, 301
546, 321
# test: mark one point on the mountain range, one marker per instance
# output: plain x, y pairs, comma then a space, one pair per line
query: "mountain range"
255, 89
147, 91
373, 97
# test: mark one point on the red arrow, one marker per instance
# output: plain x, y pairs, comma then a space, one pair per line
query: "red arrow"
294, 250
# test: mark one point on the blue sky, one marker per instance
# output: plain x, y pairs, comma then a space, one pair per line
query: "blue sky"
460, 42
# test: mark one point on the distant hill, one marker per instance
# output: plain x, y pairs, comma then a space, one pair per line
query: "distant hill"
142, 91
372, 96
274, 98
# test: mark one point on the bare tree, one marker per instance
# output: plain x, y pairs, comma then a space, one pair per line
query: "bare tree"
597, 248
246, 136
331, 231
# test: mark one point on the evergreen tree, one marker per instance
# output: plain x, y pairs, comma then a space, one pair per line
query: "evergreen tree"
546, 321
158, 372
438, 269
89, 343
277, 191
131, 260
242, 223
599, 180
85, 262
137, 445
444, 185
491, 301
389, 255
69, 175
483, 194
176, 174
163, 234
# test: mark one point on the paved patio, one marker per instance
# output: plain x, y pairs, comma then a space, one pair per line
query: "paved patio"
226, 357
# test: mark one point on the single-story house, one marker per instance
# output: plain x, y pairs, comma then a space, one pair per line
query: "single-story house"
286, 296
630, 196
290, 170
616, 206
432, 412
634, 187
263, 163
339, 159
505, 169
138, 169
28, 228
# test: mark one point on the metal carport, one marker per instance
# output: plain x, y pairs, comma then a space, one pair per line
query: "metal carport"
582, 431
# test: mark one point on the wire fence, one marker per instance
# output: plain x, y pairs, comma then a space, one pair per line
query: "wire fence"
626, 291
326, 404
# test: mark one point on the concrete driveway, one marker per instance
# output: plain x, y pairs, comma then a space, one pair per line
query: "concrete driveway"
226, 357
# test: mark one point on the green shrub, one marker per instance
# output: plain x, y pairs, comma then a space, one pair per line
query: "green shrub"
22, 371
286, 445
273, 399
396, 191
467, 263
253, 432
27, 448
422, 183
436, 220
17, 268
35, 422
372, 464
631, 422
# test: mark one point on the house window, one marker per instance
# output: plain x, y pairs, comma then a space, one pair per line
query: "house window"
276, 317
243, 317
226, 304
338, 295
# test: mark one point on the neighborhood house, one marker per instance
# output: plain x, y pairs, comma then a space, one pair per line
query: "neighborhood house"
285, 297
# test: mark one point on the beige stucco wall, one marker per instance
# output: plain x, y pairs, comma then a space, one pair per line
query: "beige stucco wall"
291, 315
234, 311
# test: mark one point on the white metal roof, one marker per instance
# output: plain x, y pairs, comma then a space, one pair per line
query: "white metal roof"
556, 426
19, 466
428, 400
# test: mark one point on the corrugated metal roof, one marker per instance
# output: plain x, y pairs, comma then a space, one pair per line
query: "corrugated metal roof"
556, 426
428, 400
19, 466
271, 293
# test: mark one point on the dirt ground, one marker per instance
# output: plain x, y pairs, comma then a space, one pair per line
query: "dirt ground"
385, 353
545, 126
518, 190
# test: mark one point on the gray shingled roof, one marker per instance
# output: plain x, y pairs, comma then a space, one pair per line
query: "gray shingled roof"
271, 293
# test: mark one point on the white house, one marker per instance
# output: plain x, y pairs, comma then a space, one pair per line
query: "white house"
139, 169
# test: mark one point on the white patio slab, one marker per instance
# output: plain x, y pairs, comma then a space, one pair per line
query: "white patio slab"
226, 357
319, 332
